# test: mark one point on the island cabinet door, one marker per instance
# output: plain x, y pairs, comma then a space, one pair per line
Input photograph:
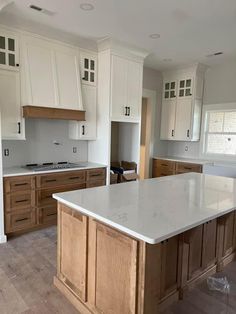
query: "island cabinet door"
112, 274
226, 236
169, 266
72, 250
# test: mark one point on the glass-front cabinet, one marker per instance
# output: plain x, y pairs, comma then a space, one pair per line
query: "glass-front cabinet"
170, 89
185, 87
8, 51
88, 68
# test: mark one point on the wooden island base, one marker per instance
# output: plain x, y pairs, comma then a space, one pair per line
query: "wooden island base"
102, 270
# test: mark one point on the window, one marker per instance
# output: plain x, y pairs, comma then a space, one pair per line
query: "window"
220, 132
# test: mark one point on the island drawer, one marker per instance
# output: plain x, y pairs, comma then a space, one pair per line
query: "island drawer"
96, 174
187, 167
19, 200
21, 220
57, 179
44, 196
21, 183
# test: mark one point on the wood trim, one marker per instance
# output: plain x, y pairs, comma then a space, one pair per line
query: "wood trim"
53, 113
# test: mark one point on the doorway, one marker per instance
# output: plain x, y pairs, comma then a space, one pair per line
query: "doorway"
145, 139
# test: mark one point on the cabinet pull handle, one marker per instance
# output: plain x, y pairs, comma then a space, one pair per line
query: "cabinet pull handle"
74, 178
164, 165
20, 184
21, 201
187, 168
50, 180
95, 175
187, 133
19, 128
53, 214
163, 174
83, 129
126, 113
172, 133
22, 219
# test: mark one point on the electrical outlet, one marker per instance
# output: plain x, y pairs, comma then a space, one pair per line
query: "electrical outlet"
6, 152
74, 150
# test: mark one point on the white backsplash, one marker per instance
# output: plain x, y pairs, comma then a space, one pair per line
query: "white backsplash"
39, 144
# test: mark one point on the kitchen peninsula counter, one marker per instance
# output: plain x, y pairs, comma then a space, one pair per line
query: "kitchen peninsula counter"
140, 245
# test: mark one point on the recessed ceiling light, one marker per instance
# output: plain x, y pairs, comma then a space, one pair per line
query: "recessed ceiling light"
167, 60
155, 36
215, 54
86, 6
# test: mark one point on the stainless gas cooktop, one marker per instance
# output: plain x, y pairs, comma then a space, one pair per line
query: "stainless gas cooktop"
53, 166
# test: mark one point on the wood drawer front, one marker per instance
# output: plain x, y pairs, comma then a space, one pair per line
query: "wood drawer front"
186, 167
20, 220
48, 215
96, 174
162, 163
19, 200
93, 184
161, 172
58, 179
21, 183
44, 196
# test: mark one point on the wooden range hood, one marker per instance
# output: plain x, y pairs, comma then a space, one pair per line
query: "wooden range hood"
53, 113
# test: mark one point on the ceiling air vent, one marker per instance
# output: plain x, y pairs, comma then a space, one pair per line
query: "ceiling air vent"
42, 10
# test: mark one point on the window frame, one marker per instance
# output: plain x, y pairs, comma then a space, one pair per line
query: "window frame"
208, 108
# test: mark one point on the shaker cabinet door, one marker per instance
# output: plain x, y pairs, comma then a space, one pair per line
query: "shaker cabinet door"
119, 88
168, 119
10, 105
183, 119
134, 89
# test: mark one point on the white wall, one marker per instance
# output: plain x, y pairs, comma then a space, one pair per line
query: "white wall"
152, 80
220, 87
39, 146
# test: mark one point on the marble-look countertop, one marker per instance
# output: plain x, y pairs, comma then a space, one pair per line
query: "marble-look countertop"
188, 160
22, 171
156, 209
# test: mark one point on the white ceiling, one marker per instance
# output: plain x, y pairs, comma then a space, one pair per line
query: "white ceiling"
189, 29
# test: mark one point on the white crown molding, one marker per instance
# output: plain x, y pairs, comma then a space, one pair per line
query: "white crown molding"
121, 48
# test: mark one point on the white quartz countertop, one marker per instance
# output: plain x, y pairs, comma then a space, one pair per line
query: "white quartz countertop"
156, 209
22, 171
188, 160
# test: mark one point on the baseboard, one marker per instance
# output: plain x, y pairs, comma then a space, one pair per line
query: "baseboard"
3, 239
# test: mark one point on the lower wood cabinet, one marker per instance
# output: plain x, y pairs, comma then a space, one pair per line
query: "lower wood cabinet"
72, 251
103, 270
200, 250
162, 167
28, 201
170, 259
113, 270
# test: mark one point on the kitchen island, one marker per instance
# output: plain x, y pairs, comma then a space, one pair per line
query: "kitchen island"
135, 247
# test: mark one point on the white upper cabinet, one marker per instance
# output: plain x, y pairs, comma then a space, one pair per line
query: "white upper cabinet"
58, 65
168, 119
182, 103
9, 51
126, 89
12, 123
86, 130
68, 78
